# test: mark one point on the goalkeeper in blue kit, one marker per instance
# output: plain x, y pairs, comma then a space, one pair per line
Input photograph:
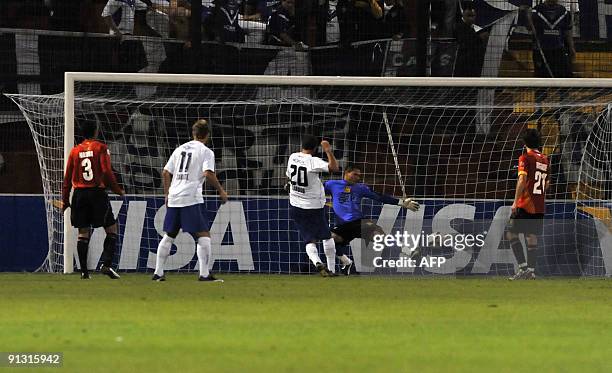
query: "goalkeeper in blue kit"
350, 224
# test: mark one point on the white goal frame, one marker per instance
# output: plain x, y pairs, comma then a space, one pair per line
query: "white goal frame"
70, 78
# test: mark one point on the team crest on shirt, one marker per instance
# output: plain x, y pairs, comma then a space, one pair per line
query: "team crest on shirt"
347, 189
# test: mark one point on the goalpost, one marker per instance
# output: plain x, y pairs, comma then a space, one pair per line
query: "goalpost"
452, 144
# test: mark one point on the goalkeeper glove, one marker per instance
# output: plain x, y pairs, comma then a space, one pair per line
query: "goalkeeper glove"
409, 203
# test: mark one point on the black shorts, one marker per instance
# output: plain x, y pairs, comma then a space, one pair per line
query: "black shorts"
523, 222
360, 228
91, 207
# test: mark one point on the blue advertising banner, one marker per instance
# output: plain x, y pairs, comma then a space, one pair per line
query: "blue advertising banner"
23, 228
256, 235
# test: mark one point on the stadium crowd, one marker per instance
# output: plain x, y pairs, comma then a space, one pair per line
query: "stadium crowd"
346, 20
304, 24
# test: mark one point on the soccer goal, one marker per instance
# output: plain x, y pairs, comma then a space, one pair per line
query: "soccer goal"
453, 144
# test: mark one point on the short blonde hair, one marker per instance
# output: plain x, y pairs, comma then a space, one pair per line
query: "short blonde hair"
200, 129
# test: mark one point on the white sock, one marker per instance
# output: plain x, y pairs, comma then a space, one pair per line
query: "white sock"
204, 252
329, 247
313, 253
345, 260
163, 250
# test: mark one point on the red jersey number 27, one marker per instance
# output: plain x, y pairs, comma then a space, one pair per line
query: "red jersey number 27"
87, 171
540, 182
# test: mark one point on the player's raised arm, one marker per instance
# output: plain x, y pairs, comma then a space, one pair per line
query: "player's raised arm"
332, 162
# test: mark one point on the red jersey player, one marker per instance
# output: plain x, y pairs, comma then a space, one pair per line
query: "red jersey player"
528, 207
89, 172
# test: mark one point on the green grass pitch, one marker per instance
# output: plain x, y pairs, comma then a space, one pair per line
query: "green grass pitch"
306, 323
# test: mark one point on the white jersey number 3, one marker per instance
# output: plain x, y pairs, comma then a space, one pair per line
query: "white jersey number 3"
87, 171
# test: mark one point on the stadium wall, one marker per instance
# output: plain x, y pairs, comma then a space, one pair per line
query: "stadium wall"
255, 234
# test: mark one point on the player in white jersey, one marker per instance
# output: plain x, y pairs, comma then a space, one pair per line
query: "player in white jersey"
183, 176
307, 199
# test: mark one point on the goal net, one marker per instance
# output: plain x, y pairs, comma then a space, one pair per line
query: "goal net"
452, 145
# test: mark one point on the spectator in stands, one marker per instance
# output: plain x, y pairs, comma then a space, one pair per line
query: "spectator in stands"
280, 29
395, 22
174, 8
179, 13
359, 20
332, 28
222, 25
551, 24
260, 10
120, 16
471, 44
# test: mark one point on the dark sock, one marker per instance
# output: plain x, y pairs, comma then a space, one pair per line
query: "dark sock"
340, 249
110, 243
532, 256
82, 249
517, 249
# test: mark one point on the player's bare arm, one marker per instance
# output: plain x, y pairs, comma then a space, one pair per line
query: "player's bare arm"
211, 177
167, 180
333, 163
520, 189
